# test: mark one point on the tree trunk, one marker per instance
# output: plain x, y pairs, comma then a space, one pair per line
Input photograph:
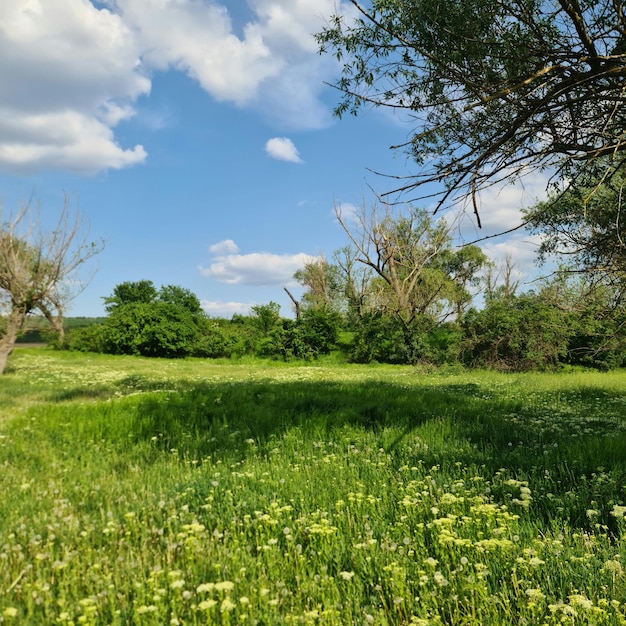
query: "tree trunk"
7, 341
56, 321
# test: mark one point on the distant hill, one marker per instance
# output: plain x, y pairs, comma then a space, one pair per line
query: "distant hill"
36, 327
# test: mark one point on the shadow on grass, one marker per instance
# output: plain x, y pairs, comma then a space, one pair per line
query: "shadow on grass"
562, 440
203, 418
569, 444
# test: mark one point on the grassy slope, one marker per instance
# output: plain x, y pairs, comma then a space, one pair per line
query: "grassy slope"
197, 492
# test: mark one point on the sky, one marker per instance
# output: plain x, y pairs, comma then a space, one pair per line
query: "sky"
197, 140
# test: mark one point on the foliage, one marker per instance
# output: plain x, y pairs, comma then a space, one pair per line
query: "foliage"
323, 285
295, 494
320, 328
597, 316
151, 329
315, 333
142, 320
494, 88
585, 227
381, 338
131, 292
415, 282
517, 333
86, 339
181, 297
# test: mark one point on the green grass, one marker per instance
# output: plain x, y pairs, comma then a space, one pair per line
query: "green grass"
198, 492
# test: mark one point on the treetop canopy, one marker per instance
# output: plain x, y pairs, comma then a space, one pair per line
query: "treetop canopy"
495, 88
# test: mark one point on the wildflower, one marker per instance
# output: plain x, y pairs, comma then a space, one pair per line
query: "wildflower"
227, 605
618, 511
581, 601
205, 605
204, 587
613, 566
10, 612
225, 585
535, 595
346, 575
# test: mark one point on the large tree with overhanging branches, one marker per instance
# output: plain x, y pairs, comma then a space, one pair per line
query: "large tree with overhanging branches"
494, 88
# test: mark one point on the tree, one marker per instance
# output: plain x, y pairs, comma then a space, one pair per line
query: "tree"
129, 292
266, 317
517, 333
180, 296
597, 312
323, 284
416, 280
415, 271
168, 322
493, 87
39, 269
586, 226
157, 329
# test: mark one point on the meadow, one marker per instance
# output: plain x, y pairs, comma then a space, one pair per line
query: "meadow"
147, 491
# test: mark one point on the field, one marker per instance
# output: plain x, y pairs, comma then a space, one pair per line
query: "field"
160, 492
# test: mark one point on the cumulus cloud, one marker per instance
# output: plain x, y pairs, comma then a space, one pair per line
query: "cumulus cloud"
225, 309
228, 246
69, 74
197, 38
260, 269
502, 234
72, 70
283, 149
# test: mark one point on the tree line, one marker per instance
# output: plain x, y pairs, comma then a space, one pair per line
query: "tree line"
399, 292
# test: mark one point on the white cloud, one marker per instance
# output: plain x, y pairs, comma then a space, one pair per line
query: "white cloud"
225, 309
283, 149
197, 38
69, 74
500, 206
347, 211
72, 70
258, 268
228, 246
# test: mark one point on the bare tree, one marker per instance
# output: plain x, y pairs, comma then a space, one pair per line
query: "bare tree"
39, 269
502, 280
402, 252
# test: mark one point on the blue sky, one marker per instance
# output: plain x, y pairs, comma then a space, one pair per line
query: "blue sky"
197, 138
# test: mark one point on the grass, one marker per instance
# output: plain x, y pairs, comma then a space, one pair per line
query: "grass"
196, 492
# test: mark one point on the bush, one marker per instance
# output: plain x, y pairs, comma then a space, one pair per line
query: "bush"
85, 339
516, 333
157, 329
